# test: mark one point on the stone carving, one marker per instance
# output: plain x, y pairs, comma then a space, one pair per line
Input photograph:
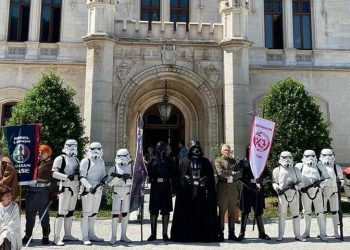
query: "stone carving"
168, 54
16, 51
48, 51
212, 74
122, 71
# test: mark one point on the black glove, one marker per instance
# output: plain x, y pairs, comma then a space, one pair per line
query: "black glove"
114, 174
279, 191
92, 190
348, 176
203, 181
303, 190
71, 177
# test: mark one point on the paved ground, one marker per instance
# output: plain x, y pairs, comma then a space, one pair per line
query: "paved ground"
103, 230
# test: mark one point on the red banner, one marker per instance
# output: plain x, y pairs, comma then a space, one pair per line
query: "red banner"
262, 132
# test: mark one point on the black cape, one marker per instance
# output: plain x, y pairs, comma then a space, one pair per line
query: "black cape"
195, 216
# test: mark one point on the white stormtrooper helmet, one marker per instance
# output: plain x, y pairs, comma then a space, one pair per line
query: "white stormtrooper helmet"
309, 157
70, 148
95, 150
327, 156
286, 159
123, 157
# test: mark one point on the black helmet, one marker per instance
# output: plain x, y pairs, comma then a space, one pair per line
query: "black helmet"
160, 147
194, 149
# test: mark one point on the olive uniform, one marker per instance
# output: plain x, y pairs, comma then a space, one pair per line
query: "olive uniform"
227, 192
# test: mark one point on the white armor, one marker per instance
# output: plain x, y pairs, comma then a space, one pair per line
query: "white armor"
66, 169
287, 182
92, 175
330, 193
312, 173
119, 177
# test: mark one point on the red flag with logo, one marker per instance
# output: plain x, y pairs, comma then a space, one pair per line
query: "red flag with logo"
262, 132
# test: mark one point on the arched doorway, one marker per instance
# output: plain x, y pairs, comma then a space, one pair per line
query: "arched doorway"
170, 132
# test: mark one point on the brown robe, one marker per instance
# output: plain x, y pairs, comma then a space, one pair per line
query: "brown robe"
44, 171
8, 176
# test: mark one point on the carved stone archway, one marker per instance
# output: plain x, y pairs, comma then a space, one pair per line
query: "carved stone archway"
187, 90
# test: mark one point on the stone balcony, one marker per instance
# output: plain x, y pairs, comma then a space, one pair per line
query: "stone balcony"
197, 32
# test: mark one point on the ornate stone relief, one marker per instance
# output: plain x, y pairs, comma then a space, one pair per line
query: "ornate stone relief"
211, 73
122, 71
168, 54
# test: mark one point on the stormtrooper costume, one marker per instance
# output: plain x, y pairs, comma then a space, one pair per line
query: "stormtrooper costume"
314, 179
119, 177
330, 193
92, 178
66, 169
286, 181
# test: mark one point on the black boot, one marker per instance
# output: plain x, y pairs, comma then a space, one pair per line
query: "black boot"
26, 238
46, 233
165, 222
244, 220
153, 227
261, 228
232, 236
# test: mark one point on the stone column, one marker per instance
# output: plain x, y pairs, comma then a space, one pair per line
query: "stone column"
236, 74
288, 32
165, 10
34, 30
4, 17
99, 112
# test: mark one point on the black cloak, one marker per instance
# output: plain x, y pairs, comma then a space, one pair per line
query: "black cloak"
195, 215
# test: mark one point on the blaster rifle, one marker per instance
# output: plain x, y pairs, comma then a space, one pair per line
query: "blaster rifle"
340, 211
288, 187
312, 185
101, 184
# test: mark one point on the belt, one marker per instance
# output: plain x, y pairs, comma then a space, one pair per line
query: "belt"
252, 181
159, 180
41, 185
230, 181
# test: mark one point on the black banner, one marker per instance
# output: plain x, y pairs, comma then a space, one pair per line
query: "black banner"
23, 148
139, 171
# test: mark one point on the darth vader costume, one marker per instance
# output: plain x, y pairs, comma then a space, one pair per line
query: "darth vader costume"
195, 214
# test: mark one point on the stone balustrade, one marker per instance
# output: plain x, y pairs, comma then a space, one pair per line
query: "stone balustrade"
131, 29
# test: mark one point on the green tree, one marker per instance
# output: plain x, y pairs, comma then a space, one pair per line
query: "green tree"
51, 104
299, 122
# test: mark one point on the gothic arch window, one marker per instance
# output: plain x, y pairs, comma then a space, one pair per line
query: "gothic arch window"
302, 24
19, 20
150, 11
273, 24
179, 12
6, 111
50, 24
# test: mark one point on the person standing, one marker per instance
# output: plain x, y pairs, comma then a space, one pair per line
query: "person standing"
161, 174
38, 196
8, 176
66, 169
195, 216
227, 190
315, 178
182, 150
252, 197
286, 181
92, 177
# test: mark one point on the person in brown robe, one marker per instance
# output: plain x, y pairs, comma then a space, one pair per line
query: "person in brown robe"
8, 176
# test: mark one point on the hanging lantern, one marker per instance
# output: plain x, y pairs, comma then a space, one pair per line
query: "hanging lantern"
164, 106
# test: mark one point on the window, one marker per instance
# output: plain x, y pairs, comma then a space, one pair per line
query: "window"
150, 11
179, 12
19, 20
273, 24
50, 21
6, 112
302, 24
